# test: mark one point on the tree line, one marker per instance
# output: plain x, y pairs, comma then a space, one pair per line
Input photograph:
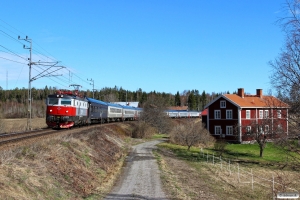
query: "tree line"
14, 103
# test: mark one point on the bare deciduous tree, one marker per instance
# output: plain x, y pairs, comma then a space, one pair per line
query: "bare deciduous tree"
264, 129
190, 134
2, 124
154, 115
286, 71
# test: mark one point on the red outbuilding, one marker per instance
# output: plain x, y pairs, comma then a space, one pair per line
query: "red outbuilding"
233, 116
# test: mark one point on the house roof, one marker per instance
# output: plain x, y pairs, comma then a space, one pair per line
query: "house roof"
204, 112
251, 101
132, 104
178, 108
256, 101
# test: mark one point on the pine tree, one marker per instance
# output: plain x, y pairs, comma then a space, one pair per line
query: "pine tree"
177, 99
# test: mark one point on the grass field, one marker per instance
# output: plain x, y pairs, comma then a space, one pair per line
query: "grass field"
251, 152
229, 182
237, 152
20, 124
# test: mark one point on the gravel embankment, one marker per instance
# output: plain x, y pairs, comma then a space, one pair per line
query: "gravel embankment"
140, 178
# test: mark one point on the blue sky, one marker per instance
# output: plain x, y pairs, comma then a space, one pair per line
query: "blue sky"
161, 45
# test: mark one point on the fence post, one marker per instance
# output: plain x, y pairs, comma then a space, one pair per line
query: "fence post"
213, 158
252, 179
207, 156
238, 172
273, 187
229, 168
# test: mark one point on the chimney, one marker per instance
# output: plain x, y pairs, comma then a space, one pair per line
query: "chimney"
259, 93
241, 92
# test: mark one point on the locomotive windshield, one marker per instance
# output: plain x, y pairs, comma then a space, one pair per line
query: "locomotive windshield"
65, 101
53, 101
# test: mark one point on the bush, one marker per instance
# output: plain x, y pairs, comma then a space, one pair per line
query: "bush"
143, 130
220, 147
191, 133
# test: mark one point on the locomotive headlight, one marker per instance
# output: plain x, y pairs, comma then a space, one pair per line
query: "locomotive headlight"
61, 95
67, 111
50, 110
57, 95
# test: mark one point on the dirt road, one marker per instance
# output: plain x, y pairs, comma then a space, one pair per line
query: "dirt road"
140, 178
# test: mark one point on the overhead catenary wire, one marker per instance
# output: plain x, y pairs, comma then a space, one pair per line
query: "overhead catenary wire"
11, 27
11, 33
13, 60
11, 37
13, 52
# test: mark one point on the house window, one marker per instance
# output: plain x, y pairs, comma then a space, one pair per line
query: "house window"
279, 127
278, 113
229, 130
261, 114
248, 129
218, 130
260, 129
228, 114
267, 129
223, 104
247, 114
266, 114
217, 114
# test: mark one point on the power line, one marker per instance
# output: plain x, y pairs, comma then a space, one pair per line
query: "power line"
11, 37
13, 60
45, 51
12, 27
10, 30
13, 52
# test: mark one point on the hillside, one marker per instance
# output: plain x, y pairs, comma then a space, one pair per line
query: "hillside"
74, 165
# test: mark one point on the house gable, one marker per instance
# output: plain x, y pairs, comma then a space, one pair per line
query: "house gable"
217, 105
237, 111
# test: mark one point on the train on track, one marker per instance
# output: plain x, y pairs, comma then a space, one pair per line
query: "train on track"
66, 109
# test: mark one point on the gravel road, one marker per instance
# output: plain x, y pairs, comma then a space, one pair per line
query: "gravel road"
140, 178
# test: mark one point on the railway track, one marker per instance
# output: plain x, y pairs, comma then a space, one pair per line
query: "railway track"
15, 137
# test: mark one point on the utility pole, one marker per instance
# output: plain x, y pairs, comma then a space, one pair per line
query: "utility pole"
93, 86
29, 83
51, 64
6, 79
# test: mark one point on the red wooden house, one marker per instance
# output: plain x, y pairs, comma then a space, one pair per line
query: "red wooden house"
233, 116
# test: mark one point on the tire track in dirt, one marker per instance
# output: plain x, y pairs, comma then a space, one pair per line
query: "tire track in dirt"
140, 178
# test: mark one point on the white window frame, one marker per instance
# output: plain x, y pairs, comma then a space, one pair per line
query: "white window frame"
228, 114
248, 129
261, 114
223, 104
248, 114
279, 127
278, 114
218, 130
267, 129
260, 129
229, 130
266, 114
217, 114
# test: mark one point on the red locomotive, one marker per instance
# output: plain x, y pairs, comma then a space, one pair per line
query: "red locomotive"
66, 109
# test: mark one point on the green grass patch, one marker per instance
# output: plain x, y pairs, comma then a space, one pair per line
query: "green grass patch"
234, 152
251, 152
181, 151
159, 136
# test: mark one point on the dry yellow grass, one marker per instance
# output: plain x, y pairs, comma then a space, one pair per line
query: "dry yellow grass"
20, 124
80, 165
202, 180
